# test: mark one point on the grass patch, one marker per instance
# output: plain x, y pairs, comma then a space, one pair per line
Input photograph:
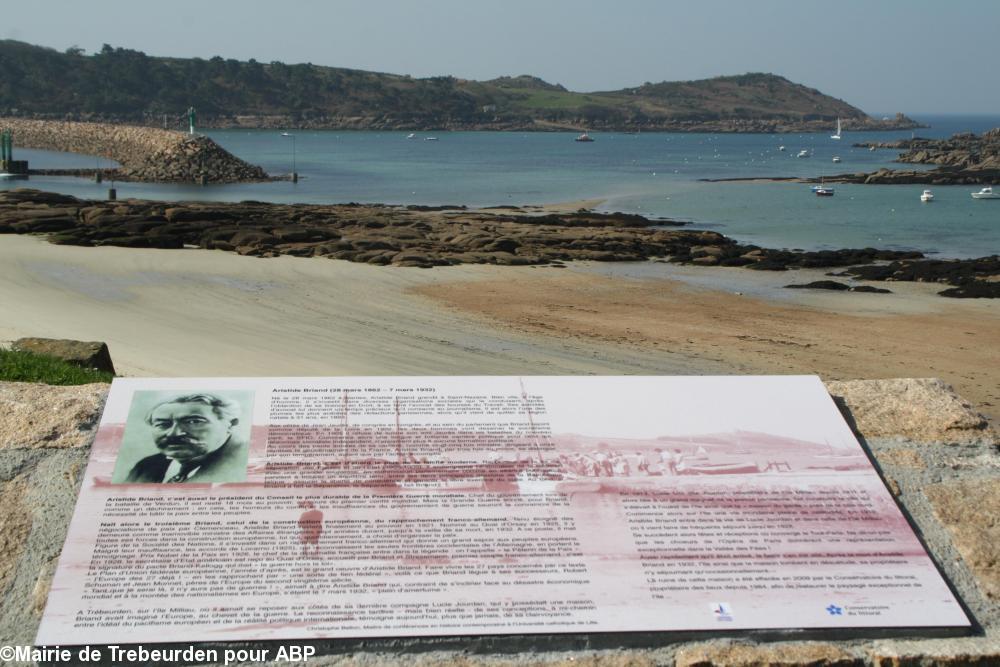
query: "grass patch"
541, 100
29, 367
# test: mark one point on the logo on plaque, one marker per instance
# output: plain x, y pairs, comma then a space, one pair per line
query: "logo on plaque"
722, 611
834, 610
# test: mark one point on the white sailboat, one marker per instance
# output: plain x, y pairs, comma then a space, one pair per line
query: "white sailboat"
836, 136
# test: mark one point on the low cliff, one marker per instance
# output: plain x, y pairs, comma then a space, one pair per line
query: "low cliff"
144, 153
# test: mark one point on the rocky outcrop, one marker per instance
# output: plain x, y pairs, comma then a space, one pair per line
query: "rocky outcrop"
962, 159
143, 153
85, 354
835, 286
418, 237
969, 278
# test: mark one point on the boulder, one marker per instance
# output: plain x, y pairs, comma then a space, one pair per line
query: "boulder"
86, 354
821, 284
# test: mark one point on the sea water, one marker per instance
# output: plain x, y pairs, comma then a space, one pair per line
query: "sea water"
654, 174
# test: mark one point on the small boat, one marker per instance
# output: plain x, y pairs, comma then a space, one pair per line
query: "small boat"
927, 196
803, 153
871, 148
411, 135
584, 137
6, 174
823, 192
781, 148
836, 136
836, 158
430, 138
986, 193
285, 134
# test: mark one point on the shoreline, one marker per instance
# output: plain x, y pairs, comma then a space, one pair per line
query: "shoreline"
435, 236
212, 313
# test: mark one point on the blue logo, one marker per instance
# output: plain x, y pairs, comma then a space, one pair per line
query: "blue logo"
722, 611
834, 610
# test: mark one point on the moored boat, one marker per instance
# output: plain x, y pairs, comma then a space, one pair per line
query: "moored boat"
584, 137
986, 193
927, 196
803, 153
823, 192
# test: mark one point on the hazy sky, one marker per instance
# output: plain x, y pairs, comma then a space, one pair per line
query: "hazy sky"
881, 55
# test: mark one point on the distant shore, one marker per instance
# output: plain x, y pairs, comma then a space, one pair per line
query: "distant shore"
383, 124
963, 159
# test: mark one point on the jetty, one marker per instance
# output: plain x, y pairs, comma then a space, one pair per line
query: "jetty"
143, 154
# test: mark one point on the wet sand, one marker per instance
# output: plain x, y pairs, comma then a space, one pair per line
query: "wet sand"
749, 324
212, 313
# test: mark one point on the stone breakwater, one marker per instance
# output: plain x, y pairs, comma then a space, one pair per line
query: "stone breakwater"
420, 236
144, 153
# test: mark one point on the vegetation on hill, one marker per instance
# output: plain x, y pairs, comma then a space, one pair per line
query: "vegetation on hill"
127, 85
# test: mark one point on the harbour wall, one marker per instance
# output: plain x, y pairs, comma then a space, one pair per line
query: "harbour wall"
145, 153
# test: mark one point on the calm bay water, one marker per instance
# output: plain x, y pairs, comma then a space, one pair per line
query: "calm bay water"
654, 174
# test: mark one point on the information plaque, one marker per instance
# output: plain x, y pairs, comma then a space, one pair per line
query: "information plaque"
290, 508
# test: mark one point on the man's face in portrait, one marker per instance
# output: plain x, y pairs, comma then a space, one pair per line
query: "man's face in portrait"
188, 431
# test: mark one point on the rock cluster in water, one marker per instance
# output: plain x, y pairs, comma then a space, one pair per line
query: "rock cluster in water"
965, 158
421, 236
145, 154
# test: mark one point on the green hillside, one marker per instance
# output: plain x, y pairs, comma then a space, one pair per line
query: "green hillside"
128, 86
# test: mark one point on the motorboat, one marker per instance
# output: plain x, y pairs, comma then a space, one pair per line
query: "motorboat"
584, 137
411, 135
781, 148
836, 158
430, 138
927, 196
836, 136
803, 153
986, 193
823, 192
871, 149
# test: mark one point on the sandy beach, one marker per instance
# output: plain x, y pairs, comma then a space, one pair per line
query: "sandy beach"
212, 313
